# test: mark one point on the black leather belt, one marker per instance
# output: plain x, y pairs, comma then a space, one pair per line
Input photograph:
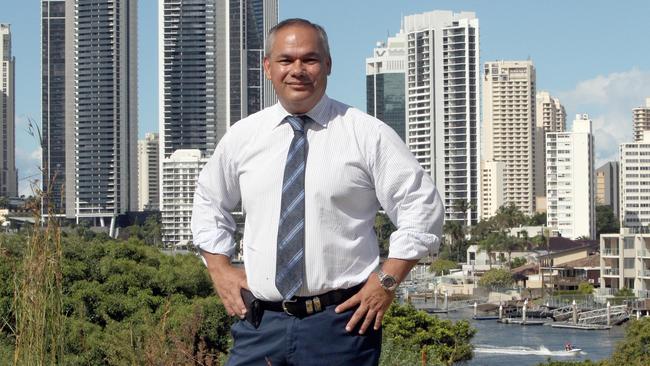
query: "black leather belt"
303, 306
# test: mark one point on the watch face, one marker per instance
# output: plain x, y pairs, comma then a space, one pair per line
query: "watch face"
388, 282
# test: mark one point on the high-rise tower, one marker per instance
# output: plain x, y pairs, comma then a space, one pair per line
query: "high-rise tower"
442, 116
58, 106
105, 95
211, 76
509, 128
570, 180
641, 120
385, 83
8, 173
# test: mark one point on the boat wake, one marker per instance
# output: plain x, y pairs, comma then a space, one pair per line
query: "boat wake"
520, 350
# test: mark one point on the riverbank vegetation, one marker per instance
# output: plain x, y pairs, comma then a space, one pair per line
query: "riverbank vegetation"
114, 302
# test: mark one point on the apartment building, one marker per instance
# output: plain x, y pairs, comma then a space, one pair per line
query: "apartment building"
625, 261
570, 191
491, 187
550, 117
148, 173
635, 183
179, 174
641, 120
8, 172
442, 101
509, 100
607, 180
385, 75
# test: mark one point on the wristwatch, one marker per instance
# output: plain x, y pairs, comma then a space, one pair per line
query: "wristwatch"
388, 282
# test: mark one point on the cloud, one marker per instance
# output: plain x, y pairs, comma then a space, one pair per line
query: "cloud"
609, 100
28, 162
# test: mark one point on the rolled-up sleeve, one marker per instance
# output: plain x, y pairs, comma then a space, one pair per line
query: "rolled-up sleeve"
408, 195
216, 195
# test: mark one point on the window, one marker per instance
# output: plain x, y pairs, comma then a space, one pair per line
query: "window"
628, 263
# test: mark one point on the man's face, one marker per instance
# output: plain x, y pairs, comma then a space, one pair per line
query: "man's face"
298, 68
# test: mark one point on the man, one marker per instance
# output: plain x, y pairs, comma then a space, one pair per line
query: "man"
311, 174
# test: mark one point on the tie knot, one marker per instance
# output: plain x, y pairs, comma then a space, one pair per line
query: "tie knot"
297, 123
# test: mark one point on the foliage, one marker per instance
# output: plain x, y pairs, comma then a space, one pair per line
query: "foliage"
624, 292
585, 288
440, 266
496, 278
455, 237
125, 303
409, 333
38, 296
634, 349
538, 219
606, 220
518, 262
383, 229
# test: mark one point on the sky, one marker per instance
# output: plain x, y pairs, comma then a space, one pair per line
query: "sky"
592, 54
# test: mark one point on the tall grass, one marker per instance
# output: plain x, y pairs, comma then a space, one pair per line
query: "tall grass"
38, 294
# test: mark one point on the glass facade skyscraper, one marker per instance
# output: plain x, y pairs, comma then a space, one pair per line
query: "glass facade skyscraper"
211, 76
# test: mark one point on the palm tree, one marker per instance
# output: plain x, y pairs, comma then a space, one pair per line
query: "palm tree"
509, 244
455, 233
509, 216
489, 245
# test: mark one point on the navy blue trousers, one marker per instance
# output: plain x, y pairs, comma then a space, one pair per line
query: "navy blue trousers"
319, 339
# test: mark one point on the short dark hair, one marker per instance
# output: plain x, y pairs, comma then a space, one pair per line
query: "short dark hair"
297, 21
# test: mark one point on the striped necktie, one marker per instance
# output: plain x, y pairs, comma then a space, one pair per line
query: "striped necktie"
290, 262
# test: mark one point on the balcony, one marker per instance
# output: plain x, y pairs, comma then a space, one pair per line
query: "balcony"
643, 253
610, 252
644, 273
611, 272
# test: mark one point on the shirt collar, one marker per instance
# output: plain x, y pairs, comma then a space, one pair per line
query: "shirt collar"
318, 114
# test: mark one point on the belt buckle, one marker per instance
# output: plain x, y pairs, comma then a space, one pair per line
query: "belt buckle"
284, 305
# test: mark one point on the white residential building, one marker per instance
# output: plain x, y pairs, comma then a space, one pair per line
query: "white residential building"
550, 117
509, 127
491, 187
641, 120
148, 173
634, 190
570, 188
625, 262
179, 174
442, 101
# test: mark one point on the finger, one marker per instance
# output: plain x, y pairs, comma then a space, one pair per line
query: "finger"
361, 311
370, 317
379, 319
238, 304
348, 304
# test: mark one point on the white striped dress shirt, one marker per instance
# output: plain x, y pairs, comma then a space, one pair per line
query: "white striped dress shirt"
355, 164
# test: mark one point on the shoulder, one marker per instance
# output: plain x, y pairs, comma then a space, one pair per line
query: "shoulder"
355, 118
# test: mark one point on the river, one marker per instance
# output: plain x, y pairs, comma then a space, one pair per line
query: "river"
499, 344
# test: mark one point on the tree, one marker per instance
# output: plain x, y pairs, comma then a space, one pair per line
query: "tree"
585, 288
509, 216
606, 221
455, 234
496, 278
489, 245
383, 229
509, 244
634, 349
410, 333
440, 266
518, 262
537, 219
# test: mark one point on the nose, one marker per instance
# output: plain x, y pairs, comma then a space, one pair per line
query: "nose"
297, 67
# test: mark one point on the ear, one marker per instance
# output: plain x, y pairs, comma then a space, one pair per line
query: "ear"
328, 64
267, 67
